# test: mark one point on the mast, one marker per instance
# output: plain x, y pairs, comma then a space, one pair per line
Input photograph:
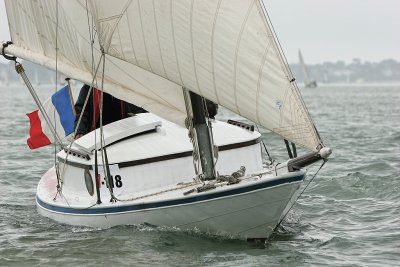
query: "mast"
203, 141
203, 136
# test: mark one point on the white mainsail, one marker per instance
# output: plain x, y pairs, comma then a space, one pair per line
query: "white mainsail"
224, 50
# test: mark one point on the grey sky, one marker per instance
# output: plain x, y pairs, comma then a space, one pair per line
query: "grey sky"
325, 30
337, 29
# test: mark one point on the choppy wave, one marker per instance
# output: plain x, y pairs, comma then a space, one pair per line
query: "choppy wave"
348, 216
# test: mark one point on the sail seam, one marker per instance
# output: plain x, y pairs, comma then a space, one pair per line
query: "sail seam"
236, 55
293, 111
144, 86
260, 76
53, 22
110, 18
130, 76
144, 38
37, 27
70, 32
191, 42
284, 106
118, 18
131, 38
263, 12
155, 99
173, 39
120, 43
73, 63
27, 15
158, 40
212, 49
288, 73
294, 115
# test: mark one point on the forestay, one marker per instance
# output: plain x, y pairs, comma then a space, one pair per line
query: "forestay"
224, 50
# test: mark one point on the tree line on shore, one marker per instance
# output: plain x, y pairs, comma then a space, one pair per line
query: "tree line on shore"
354, 72
328, 72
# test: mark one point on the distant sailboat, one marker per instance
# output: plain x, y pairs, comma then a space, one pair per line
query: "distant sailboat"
308, 82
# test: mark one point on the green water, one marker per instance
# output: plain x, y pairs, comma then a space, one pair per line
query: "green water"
348, 216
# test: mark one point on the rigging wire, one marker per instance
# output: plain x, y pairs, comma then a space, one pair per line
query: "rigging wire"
56, 166
265, 147
91, 34
79, 120
104, 158
94, 75
95, 70
106, 171
20, 70
301, 193
290, 74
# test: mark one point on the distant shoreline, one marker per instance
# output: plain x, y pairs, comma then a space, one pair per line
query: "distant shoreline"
363, 84
300, 85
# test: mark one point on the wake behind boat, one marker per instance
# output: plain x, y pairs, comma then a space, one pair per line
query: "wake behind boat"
175, 166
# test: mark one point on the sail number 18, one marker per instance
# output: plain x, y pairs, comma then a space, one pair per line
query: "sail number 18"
116, 181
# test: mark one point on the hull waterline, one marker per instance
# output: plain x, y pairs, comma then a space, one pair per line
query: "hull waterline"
244, 211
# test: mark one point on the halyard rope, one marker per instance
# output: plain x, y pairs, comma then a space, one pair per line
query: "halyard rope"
54, 111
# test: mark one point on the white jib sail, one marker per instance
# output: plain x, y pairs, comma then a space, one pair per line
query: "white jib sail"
223, 50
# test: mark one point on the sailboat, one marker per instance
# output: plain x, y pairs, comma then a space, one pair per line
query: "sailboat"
308, 82
173, 166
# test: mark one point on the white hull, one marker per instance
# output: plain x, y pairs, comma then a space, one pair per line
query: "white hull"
249, 209
252, 214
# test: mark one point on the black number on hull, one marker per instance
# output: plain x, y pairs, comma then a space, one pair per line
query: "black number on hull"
118, 181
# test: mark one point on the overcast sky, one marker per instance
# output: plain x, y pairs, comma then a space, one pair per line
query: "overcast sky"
325, 30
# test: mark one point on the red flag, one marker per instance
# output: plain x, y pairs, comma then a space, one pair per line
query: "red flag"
37, 137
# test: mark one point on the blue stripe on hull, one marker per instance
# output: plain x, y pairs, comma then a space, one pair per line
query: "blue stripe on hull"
175, 202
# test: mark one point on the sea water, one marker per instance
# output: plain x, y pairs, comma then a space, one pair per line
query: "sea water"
349, 215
